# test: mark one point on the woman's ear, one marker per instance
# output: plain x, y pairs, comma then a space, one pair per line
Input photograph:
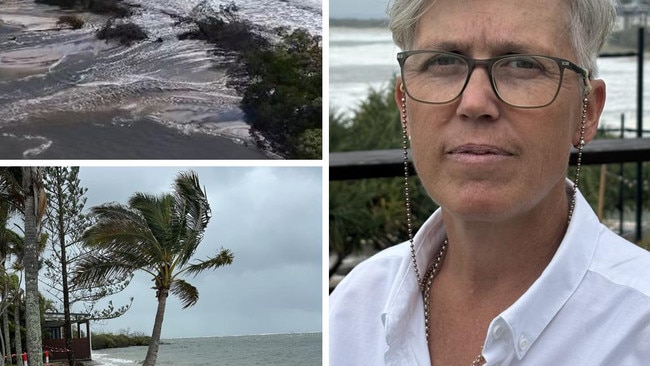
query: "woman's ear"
400, 100
399, 92
595, 105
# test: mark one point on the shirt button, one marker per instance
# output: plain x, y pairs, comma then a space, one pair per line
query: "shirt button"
497, 332
523, 343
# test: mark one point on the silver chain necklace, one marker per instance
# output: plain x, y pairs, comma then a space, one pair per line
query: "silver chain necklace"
425, 282
428, 279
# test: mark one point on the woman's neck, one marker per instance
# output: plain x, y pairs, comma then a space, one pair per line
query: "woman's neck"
503, 256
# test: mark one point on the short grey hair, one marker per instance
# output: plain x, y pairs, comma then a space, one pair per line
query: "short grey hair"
589, 24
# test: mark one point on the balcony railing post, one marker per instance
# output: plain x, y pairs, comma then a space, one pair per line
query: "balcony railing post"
639, 133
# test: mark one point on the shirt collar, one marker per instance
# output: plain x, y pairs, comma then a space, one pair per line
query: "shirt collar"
534, 310
525, 319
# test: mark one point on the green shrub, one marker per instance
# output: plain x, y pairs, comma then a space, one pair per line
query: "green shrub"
125, 33
125, 339
109, 7
282, 88
72, 21
227, 30
367, 215
281, 81
66, 4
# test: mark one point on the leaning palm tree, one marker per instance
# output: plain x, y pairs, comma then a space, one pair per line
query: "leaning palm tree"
156, 234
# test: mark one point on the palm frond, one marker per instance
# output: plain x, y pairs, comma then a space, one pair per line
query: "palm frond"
156, 212
187, 293
11, 189
121, 229
192, 214
223, 258
92, 269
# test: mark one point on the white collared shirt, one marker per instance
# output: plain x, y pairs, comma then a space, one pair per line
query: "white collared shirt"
590, 306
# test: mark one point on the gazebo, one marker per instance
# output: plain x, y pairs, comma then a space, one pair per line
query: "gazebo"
54, 342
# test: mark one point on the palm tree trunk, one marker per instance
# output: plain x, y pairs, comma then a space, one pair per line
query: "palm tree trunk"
18, 339
5, 327
32, 307
2, 358
152, 351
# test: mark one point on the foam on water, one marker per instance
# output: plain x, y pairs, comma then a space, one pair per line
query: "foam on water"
106, 360
179, 84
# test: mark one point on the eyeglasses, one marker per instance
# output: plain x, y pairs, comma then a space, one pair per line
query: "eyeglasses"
523, 81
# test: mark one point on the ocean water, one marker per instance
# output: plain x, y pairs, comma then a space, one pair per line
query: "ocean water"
364, 58
300, 349
65, 94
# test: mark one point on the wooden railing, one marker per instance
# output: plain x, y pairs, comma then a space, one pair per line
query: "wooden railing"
390, 163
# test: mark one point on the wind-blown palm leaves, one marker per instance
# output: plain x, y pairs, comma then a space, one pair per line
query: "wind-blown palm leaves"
157, 234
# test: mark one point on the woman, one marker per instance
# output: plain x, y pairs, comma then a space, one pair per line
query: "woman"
514, 268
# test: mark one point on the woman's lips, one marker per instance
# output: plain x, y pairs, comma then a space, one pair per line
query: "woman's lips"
478, 153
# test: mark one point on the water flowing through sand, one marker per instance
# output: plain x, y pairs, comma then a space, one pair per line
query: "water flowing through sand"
50, 77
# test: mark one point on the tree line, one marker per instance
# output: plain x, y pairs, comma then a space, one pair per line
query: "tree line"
93, 253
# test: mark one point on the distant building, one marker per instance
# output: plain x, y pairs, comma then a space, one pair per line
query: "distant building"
54, 342
633, 14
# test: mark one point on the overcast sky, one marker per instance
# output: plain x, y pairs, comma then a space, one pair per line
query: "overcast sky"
362, 9
271, 218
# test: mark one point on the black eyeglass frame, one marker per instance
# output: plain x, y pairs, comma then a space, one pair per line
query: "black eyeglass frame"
489, 64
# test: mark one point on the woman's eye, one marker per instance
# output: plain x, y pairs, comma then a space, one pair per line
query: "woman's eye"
442, 61
524, 63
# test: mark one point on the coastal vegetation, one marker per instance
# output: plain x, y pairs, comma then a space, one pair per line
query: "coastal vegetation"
124, 32
98, 251
114, 8
22, 191
72, 21
123, 339
282, 94
367, 215
63, 224
280, 79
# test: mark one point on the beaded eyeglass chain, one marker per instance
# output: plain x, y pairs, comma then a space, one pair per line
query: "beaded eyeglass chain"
425, 282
